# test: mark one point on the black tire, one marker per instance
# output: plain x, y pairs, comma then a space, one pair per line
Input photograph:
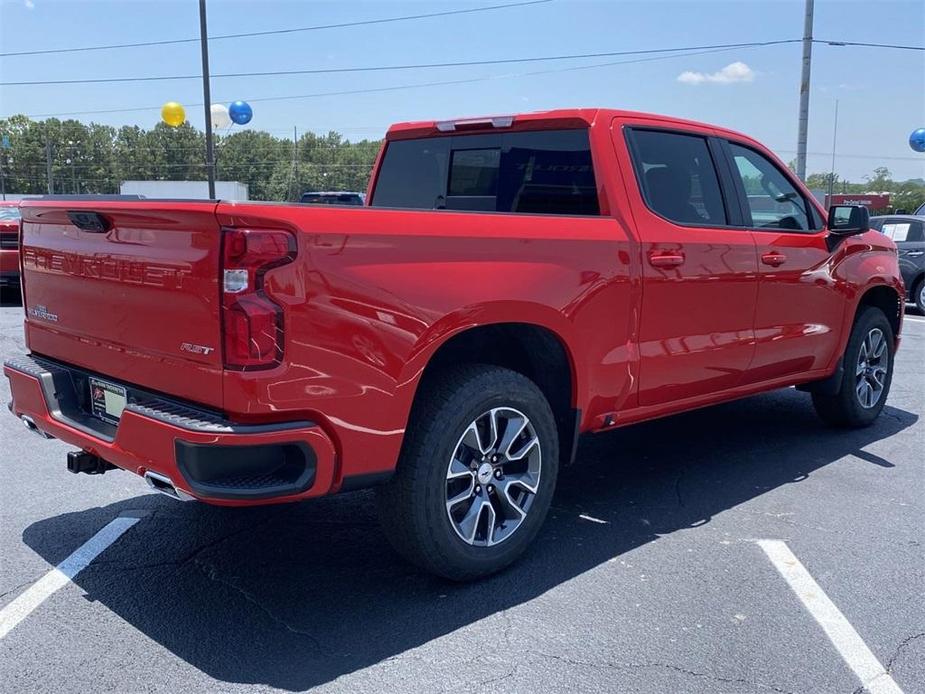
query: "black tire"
413, 504
845, 409
918, 294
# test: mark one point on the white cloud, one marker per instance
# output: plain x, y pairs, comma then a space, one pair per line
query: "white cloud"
734, 72
29, 4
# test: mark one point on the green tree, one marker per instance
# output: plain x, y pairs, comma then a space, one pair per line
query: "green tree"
880, 180
97, 158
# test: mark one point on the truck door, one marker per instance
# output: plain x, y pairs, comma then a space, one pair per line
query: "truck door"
800, 309
700, 274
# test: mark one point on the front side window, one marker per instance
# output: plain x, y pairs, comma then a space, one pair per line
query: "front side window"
541, 172
678, 177
773, 201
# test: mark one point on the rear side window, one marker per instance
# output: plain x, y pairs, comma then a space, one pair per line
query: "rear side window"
542, 172
678, 177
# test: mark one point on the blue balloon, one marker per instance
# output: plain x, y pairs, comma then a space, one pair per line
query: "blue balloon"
917, 140
241, 112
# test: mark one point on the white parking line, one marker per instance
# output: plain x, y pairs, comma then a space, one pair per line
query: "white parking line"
61, 575
846, 640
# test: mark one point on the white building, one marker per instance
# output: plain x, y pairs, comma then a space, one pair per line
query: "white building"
185, 190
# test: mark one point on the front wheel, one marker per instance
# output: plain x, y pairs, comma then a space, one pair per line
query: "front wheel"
868, 372
918, 295
476, 474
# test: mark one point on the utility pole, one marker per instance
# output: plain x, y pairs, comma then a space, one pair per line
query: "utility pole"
295, 163
832, 172
207, 98
51, 185
4, 161
804, 89
295, 140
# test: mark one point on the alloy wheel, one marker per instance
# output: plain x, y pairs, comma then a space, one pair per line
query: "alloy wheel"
493, 476
870, 374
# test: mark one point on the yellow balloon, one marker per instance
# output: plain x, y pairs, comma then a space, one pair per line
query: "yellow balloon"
173, 114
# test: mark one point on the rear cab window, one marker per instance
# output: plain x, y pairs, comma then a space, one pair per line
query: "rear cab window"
527, 172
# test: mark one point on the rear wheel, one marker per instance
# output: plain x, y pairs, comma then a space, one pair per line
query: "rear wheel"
476, 475
868, 372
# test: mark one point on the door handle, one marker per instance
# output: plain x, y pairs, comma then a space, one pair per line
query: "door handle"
670, 259
774, 259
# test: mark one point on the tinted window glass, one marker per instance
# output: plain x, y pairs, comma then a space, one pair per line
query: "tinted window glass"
474, 172
413, 174
543, 172
678, 177
774, 202
917, 232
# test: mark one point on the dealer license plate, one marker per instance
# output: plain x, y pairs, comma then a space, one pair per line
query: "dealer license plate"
107, 400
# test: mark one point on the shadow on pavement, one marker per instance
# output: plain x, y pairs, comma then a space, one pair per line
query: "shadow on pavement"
295, 596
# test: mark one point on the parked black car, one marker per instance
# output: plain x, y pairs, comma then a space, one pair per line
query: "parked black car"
908, 231
332, 197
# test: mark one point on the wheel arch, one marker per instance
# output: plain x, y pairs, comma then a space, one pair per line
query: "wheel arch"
533, 349
888, 299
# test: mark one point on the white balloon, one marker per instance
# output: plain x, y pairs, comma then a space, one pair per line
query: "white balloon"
220, 117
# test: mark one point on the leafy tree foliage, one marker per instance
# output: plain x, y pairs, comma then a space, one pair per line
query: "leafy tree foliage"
94, 158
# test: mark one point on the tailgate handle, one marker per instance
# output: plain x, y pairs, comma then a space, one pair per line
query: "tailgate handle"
89, 221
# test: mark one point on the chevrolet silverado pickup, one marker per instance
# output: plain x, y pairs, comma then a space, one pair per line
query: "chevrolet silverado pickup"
511, 283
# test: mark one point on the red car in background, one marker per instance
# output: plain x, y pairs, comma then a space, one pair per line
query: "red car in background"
9, 244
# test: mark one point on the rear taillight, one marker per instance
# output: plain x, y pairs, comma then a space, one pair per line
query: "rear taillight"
252, 323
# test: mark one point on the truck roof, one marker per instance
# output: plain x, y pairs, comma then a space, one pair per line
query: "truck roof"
538, 120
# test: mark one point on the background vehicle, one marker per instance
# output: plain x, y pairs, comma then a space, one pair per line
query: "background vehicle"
332, 198
513, 282
908, 233
9, 245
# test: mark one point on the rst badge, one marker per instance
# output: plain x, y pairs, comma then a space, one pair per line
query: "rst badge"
195, 349
43, 313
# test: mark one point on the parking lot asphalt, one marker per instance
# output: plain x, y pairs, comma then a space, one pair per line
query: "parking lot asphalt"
647, 577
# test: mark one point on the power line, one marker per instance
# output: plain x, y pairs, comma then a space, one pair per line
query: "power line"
366, 22
870, 45
418, 66
400, 87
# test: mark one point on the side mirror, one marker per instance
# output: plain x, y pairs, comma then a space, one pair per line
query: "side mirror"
845, 220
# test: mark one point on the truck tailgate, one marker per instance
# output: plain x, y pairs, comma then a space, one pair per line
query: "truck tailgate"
128, 290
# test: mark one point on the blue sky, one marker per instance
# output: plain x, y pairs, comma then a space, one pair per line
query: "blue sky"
881, 92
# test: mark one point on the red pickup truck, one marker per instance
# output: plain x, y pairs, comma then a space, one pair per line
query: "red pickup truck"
511, 283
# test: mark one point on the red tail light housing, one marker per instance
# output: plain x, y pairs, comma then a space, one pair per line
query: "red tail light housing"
253, 328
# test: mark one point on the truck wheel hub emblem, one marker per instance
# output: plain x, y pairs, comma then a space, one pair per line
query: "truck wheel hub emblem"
485, 472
